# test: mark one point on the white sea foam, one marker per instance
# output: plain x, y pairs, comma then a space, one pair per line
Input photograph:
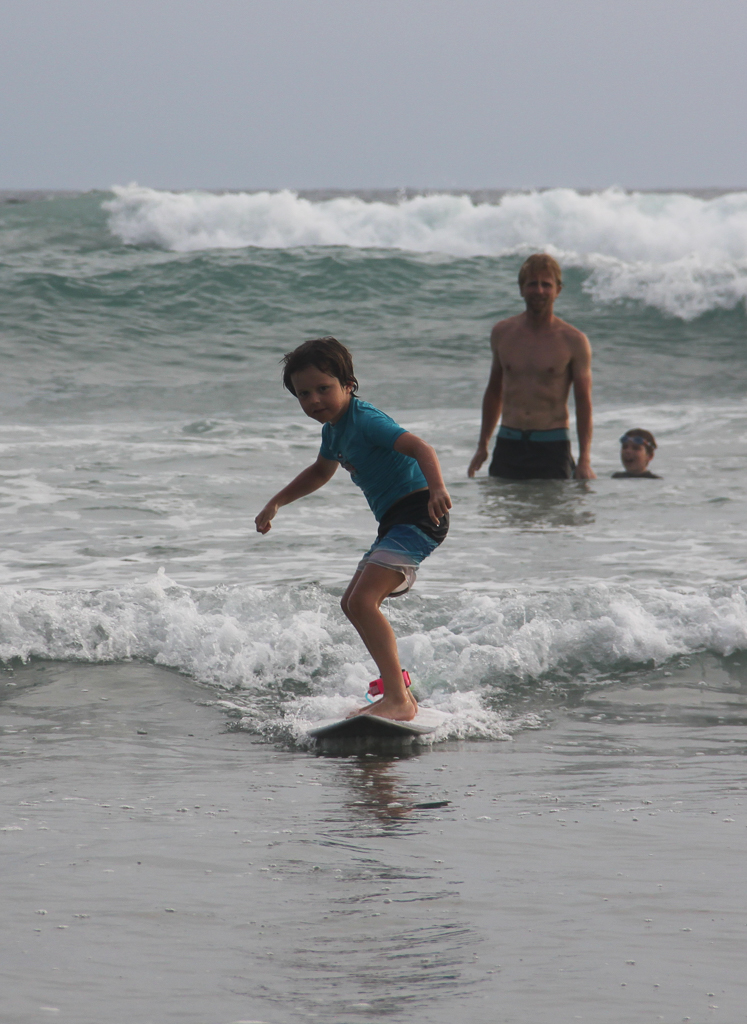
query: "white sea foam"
292, 658
680, 253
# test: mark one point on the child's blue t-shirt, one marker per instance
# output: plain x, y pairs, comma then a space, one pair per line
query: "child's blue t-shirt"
363, 443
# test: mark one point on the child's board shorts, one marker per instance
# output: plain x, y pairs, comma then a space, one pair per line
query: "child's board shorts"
406, 536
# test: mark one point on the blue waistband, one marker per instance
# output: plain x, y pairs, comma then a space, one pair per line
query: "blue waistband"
561, 434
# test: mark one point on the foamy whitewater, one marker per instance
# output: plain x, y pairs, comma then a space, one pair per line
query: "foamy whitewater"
143, 425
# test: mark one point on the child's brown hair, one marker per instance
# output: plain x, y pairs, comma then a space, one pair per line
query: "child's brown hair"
327, 355
645, 435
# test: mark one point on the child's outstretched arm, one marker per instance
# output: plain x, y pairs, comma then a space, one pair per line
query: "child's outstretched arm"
425, 456
310, 479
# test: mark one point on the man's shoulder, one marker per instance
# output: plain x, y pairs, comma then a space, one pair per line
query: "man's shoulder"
510, 323
574, 340
516, 328
569, 331
507, 328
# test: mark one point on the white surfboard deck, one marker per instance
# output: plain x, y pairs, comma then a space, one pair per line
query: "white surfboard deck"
426, 721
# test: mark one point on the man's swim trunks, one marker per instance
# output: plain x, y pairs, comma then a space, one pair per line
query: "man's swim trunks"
532, 455
406, 536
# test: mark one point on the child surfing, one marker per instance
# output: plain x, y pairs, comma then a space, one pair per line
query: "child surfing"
400, 477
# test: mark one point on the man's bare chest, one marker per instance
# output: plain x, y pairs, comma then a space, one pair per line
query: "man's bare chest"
539, 362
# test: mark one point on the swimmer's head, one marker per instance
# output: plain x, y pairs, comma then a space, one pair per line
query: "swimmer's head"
540, 263
638, 447
327, 355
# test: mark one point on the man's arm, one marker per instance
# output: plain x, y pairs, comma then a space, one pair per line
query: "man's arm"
581, 370
308, 480
439, 501
491, 412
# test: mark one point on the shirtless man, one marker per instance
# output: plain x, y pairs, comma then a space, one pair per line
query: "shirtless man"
536, 358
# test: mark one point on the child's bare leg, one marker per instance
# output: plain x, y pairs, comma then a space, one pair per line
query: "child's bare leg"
373, 706
362, 605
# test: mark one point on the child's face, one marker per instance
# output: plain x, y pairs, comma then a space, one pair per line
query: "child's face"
634, 457
321, 396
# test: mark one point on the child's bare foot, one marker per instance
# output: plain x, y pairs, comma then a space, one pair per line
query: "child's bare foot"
372, 709
388, 707
360, 711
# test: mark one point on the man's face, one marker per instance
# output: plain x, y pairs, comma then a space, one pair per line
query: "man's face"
634, 457
539, 291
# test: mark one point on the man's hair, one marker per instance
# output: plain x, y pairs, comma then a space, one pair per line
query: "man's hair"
537, 263
327, 355
645, 435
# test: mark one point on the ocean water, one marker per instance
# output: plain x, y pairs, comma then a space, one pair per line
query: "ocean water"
143, 425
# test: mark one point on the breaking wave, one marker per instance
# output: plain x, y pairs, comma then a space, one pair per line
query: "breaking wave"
680, 253
289, 657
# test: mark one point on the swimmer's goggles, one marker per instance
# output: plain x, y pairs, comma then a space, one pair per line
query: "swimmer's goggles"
637, 439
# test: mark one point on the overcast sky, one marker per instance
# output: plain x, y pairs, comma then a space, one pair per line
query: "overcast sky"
373, 93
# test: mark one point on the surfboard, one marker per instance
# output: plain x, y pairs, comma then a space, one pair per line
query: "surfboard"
372, 729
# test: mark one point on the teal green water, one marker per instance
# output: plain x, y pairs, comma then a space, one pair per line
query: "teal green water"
89, 321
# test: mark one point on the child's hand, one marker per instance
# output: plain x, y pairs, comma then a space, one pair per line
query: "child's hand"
439, 504
263, 520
